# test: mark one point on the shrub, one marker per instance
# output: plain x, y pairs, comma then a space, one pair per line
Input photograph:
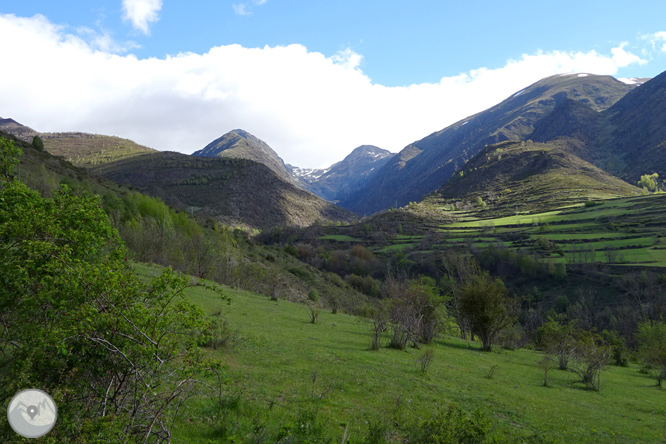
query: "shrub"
423, 362
308, 428
221, 335
299, 273
453, 425
589, 358
652, 347
115, 352
313, 295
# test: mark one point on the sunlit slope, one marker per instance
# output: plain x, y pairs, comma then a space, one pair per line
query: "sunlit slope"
275, 354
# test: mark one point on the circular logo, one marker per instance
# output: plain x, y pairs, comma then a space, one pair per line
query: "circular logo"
32, 413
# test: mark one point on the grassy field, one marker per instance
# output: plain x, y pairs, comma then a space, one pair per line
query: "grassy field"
629, 231
280, 365
339, 238
89, 150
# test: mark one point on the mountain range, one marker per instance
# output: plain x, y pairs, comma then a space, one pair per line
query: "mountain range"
566, 137
231, 188
427, 164
346, 177
238, 192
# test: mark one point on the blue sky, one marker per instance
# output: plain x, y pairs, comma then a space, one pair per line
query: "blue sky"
312, 79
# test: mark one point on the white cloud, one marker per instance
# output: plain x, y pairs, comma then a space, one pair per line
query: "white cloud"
241, 9
312, 109
658, 40
142, 13
104, 41
622, 58
347, 58
245, 8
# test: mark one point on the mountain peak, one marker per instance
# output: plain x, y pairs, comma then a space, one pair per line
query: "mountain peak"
369, 151
244, 134
427, 164
346, 176
240, 144
11, 126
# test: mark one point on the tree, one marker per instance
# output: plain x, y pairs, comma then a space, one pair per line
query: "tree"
415, 309
37, 143
114, 352
557, 339
588, 358
649, 181
380, 322
456, 270
652, 346
485, 305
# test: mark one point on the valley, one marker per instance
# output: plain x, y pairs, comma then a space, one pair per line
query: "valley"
282, 367
505, 277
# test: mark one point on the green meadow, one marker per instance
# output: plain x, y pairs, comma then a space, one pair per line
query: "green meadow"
279, 366
632, 229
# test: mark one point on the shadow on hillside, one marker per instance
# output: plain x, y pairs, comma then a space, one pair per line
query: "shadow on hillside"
469, 345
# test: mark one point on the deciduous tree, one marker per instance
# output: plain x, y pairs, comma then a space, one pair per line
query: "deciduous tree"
114, 352
487, 308
652, 347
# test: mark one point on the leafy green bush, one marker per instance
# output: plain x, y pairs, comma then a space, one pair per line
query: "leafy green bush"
313, 295
114, 352
453, 425
299, 272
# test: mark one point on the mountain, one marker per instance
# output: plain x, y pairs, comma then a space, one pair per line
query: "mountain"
425, 165
43, 172
81, 149
239, 144
637, 128
628, 139
233, 191
530, 177
345, 177
22, 132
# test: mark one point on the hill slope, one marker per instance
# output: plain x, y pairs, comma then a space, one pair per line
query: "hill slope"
44, 172
531, 177
428, 163
239, 144
233, 191
345, 177
81, 149
637, 125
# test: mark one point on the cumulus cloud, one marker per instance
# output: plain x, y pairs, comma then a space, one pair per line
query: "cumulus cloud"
104, 41
658, 40
142, 13
241, 9
622, 58
246, 7
312, 109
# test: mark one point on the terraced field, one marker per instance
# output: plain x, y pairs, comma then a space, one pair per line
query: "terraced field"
629, 231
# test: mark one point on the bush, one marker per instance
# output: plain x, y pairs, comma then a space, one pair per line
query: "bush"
83, 327
313, 295
652, 347
308, 428
299, 273
452, 426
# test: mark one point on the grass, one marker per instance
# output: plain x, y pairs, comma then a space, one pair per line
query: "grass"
633, 227
396, 247
339, 238
88, 150
270, 374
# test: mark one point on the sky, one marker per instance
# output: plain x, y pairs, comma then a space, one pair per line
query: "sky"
313, 79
